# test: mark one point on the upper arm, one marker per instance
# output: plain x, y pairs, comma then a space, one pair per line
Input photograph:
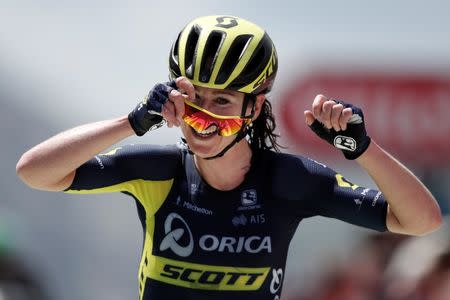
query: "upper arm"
393, 224
62, 185
334, 196
120, 170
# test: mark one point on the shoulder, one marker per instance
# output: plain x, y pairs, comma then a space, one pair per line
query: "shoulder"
146, 160
297, 174
143, 153
140, 150
294, 164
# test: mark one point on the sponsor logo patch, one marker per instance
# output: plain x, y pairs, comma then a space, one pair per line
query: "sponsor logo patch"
277, 279
208, 242
239, 220
172, 237
249, 200
206, 277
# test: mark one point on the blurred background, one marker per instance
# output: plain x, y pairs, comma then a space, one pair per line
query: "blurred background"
64, 63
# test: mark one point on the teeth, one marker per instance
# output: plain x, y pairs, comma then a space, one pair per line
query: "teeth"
209, 130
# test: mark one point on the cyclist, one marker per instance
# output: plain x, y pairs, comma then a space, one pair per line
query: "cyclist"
219, 210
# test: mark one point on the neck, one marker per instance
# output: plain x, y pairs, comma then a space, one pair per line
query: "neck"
226, 172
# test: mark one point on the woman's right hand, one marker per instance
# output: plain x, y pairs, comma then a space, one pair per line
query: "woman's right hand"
173, 109
147, 115
164, 102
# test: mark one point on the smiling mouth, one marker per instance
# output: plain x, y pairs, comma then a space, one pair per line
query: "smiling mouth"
210, 131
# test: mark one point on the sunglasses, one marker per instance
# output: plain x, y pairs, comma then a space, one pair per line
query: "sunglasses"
200, 119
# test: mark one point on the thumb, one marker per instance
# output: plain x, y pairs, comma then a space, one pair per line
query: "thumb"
309, 117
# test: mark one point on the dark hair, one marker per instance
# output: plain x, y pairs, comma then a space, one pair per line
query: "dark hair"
261, 132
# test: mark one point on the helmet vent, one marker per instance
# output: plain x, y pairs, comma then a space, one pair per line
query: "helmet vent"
256, 65
234, 54
210, 54
258, 60
175, 48
191, 50
174, 66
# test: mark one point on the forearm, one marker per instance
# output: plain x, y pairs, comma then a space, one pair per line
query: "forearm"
412, 208
51, 164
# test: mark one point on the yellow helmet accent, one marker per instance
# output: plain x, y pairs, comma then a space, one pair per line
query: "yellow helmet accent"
225, 52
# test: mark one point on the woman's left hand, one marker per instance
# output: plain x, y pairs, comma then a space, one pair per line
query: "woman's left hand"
340, 124
328, 112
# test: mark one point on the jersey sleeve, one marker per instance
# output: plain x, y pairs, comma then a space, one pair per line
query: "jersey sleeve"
336, 197
144, 171
317, 190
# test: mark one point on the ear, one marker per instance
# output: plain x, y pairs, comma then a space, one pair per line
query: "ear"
259, 101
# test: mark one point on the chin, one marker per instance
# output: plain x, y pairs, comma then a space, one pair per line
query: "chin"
204, 147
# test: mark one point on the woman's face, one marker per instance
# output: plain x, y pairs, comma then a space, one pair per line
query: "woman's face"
220, 102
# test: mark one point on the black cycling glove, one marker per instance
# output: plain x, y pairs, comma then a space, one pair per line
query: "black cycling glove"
353, 141
147, 114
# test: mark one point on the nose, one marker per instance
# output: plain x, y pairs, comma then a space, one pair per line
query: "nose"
207, 105
204, 102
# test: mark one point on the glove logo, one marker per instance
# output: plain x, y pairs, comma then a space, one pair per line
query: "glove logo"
174, 235
345, 143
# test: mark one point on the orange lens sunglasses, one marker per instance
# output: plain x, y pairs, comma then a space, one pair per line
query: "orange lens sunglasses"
200, 119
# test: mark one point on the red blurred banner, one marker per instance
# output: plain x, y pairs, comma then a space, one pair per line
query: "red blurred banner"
407, 114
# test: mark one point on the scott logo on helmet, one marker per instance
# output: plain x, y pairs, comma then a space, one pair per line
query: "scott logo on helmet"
226, 22
208, 242
269, 70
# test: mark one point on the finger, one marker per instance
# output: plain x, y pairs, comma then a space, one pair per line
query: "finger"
184, 84
177, 99
165, 113
346, 115
309, 117
169, 113
325, 115
179, 111
336, 112
317, 105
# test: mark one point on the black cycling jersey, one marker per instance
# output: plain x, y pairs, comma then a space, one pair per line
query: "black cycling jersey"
201, 243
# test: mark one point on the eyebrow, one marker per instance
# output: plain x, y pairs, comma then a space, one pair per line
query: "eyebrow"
225, 92
219, 92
